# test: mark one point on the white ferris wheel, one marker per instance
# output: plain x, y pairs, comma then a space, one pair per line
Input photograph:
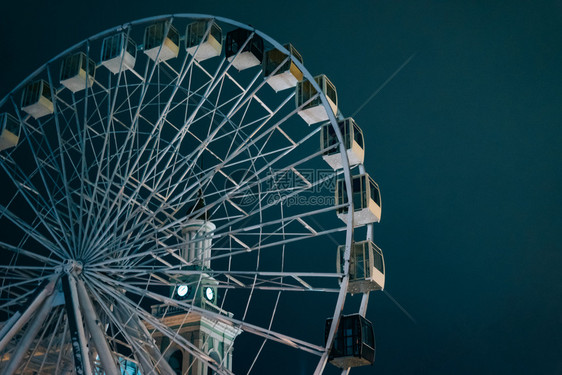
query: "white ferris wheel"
170, 192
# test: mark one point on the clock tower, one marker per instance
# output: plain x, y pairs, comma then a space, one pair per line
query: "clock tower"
214, 338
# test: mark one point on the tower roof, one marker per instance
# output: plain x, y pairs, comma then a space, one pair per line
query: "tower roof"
198, 208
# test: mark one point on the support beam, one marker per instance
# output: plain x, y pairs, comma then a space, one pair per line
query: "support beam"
29, 336
77, 334
19, 319
364, 303
90, 316
138, 332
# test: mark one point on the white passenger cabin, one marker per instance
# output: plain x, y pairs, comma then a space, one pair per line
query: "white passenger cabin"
288, 74
366, 267
314, 111
36, 99
118, 53
202, 44
9, 131
353, 142
159, 44
77, 72
249, 56
366, 200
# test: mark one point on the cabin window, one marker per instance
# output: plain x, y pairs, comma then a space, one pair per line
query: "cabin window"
31, 94
331, 92
216, 32
12, 125
112, 47
359, 194
377, 259
359, 260
46, 90
236, 39
357, 135
367, 335
131, 47
88, 65
70, 66
375, 194
273, 60
154, 36
330, 139
195, 33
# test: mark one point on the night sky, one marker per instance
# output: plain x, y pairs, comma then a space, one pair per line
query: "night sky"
464, 141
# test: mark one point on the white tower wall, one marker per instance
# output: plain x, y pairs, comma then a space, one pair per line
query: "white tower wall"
197, 235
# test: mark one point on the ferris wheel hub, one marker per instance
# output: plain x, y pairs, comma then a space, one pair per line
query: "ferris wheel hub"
71, 266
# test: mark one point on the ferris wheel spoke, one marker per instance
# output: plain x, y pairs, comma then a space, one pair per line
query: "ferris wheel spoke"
258, 354
235, 276
110, 123
105, 242
274, 285
56, 223
247, 327
166, 150
131, 135
239, 103
131, 324
61, 155
209, 175
142, 238
300, 236
93, 201
33, 233
233, 111
51, 176
131, 337
250, 141
266, 178
33, 200
247, 248
82, 131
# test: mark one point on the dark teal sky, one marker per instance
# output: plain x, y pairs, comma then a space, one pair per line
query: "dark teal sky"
465, 143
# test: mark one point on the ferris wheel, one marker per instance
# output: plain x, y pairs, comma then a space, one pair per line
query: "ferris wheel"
171, 193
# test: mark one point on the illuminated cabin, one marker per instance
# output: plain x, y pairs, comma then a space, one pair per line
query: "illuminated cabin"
203, 47
353, 142
366, 267
314, 111
118, 52
354, 342
366, 200
36, 99
252, 53
9, 131
288, 74
159, 44
77, 71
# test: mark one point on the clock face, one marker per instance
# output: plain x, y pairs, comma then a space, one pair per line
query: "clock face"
183, 290
209, 293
